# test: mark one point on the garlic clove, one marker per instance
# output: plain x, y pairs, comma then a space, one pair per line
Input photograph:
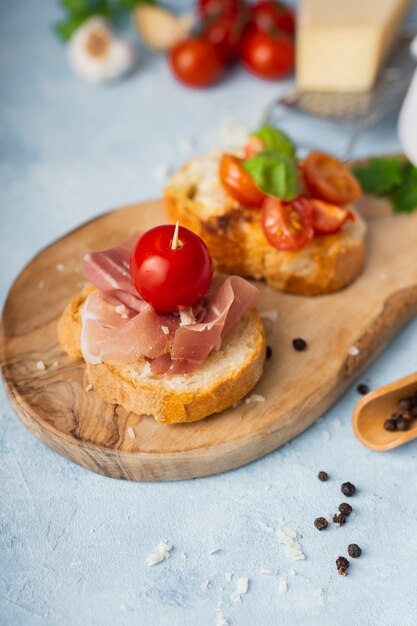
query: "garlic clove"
159, 28
96, 54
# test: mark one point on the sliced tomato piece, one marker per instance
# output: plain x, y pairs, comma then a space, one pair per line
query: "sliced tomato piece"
327, 218
238, 182
254, 146
329, 179
289, 225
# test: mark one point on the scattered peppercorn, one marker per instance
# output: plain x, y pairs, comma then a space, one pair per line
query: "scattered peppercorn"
406, 415
320, 523
348, 489
402, 424
395, 416
342, 564
363, 389
338, 518
390, 425
354, 550
323, 476
405, 404
299, 344
268, 352
345, 509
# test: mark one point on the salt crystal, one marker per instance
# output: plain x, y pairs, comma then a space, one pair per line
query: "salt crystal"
163, 552
165, 330
41, 365
353, 351
282, 587
255, 397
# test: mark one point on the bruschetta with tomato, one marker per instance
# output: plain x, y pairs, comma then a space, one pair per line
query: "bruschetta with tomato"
266, 214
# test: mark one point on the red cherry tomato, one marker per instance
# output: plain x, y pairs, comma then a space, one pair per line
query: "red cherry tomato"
267, 14
195, 62
329, 179
327, 218
207, 8
238, 182
224, 32
289, 225
168, 279
266, 54
254, 146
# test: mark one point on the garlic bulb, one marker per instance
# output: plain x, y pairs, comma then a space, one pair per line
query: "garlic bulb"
159, 28
96, 54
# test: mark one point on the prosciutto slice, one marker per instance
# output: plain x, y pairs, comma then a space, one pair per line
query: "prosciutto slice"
119, 327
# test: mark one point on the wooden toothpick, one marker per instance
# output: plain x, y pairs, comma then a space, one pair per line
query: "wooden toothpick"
174, 242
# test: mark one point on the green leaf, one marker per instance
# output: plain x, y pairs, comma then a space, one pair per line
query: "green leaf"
132, 4
276, 140
404, 199
381, 176
67, 28
274, 174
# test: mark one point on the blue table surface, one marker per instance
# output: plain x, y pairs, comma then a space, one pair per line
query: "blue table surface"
73, 544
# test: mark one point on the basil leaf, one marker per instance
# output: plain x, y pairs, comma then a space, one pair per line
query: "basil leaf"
274, 174
380, 176
67, 28
276, 140
405, 198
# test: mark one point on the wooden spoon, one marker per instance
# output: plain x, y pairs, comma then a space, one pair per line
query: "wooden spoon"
376, 407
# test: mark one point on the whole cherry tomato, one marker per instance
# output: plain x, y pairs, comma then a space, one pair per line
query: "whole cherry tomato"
224, 32
206, 8
238, 182
269, 13
170, 278
268, 55
195, 62
329, 179
289, 225
328, 218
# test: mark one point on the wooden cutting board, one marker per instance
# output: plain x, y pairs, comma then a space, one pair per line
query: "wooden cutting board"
344, 332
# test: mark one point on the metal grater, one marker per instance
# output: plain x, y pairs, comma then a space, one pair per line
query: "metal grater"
356, 111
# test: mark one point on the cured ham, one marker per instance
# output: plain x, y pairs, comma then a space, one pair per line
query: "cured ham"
119, 327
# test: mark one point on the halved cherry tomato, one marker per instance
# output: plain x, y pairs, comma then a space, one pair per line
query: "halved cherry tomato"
254, 146
238, 182
328, 218
268, 13
289, 225
329, 179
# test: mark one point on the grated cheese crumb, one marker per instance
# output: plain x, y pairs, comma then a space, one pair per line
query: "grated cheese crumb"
265, 527
60, 267
41, 365
233, 133
228, 576
268, 571
186, 316
282, 586
120, 308
270, 314
184, 556
221, 620
293, 547
131, 432
89, 387
241, 588
163, 552
353, 351
255, 397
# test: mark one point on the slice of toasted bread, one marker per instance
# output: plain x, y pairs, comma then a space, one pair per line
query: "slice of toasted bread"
225, 377
235, 238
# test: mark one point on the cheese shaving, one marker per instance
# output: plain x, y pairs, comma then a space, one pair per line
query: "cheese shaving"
241, 588
293, 547
89, 388
163, 552
268, 571
255, 397
270, 314
282, 586
221, 620
41, 365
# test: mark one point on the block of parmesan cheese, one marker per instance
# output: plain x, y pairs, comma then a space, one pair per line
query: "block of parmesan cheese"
341, 44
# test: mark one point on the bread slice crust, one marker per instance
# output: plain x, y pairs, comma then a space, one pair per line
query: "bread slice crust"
214, 387
236, 241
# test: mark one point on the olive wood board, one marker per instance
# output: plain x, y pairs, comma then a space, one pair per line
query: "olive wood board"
344, 332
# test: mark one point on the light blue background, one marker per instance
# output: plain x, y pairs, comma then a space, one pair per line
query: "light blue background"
72, 543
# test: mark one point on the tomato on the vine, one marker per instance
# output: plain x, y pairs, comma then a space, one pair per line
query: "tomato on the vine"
238, 182
208, 8
195, 62
268, 13
289, 225
269, 55
329, 179
170, 278
224, 32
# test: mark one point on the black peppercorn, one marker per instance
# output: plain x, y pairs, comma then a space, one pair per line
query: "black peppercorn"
323, 476
338, 518
345, 509
299, 344
342, 564
268, 352
402, 424
395, 415
390, 425
320, 523
407, 415
363, 389
354, 550
405, 404
348, 489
